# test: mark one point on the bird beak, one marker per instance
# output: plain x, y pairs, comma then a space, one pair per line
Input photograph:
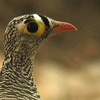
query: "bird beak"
59, 27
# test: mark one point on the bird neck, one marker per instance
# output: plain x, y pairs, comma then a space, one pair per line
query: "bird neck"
18, 67
18, 63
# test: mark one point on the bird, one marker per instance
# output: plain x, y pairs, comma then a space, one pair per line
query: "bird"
22, 38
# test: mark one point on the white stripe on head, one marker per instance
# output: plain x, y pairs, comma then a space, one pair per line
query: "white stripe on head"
37, 18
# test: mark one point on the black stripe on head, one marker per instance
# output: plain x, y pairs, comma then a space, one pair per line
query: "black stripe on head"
28, 20
45, 20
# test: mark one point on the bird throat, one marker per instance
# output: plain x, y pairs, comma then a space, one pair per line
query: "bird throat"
17, 70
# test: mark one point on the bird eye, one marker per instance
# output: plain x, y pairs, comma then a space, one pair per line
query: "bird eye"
32, 27
35, 28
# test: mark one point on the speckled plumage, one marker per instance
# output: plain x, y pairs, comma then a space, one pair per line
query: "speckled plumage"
17, 71
20, 47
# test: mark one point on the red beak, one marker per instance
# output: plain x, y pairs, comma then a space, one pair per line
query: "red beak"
62, 27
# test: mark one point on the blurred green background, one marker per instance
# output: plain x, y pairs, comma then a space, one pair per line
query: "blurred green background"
67, 66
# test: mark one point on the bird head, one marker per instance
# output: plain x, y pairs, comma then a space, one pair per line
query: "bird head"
32, 29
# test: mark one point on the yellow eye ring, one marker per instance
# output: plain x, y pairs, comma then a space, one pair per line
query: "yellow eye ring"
35, 29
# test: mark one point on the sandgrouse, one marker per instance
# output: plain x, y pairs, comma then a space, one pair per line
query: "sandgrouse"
22, 38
